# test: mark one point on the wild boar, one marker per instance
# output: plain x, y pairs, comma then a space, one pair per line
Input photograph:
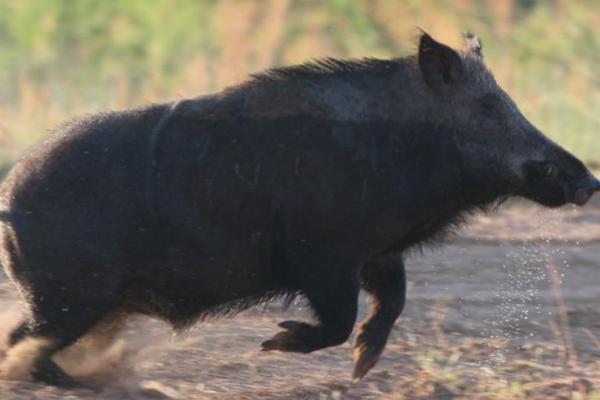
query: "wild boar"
309, 180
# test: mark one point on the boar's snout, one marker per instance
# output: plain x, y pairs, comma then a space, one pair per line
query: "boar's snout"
585, 190
559, 180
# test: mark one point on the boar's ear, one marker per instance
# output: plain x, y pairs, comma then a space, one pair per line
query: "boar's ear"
473, 45
441, 67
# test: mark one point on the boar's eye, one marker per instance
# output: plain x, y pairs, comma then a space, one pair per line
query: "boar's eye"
491, 106
550, 170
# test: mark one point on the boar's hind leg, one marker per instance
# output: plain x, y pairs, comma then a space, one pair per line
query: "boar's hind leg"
35, 342
333, 298
385, 282
58, 337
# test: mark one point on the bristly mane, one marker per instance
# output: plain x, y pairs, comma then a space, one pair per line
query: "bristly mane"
326, 67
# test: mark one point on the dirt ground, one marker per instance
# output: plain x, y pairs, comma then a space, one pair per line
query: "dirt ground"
507, 309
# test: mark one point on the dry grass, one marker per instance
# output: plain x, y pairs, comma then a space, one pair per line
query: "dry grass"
490, 369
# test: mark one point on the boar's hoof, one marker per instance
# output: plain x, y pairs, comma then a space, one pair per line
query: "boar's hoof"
46, 371
298, 337
369, 345
365, 358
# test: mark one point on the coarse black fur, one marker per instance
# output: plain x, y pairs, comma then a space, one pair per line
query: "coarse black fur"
312, 180
323, 68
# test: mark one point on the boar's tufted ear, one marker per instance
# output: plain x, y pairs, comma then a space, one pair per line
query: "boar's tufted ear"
473, 45
441, 67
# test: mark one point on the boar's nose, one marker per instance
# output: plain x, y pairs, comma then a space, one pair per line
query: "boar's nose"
587, 189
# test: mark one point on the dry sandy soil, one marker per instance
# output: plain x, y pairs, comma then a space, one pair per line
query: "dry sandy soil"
508, 309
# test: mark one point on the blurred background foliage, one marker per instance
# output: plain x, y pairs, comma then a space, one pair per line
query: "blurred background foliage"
61, 58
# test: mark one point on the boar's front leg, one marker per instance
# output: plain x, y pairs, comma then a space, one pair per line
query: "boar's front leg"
385, 282
332, 290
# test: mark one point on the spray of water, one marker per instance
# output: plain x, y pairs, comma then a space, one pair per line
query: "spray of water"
519, 301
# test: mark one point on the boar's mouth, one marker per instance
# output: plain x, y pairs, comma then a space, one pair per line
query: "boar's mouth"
584, 193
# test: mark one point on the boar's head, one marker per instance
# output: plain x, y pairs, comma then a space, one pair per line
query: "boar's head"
501, 152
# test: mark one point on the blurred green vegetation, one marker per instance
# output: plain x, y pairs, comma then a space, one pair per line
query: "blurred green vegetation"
62, 58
